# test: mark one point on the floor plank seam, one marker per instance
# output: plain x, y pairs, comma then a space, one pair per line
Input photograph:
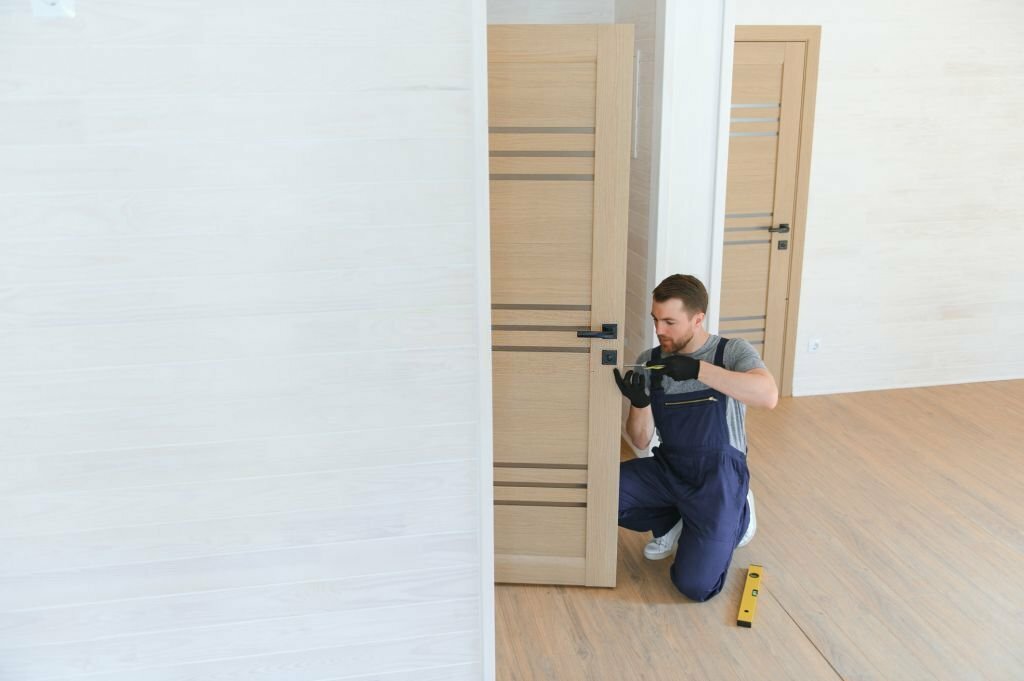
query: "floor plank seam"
809, 639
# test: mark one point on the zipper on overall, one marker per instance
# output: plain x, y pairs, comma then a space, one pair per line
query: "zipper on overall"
712, 398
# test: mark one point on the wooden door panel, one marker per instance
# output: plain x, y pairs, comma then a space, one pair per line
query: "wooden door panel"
537, 95
542, 212
564, 477
750, 186
541, 274
555, 337
544, 44
760, 194
563, 527
560, 133
541, 411
554, 476
745, 279
501, 316
539, 165
524, 141
757, 55
540, 544
756, 84
553, 495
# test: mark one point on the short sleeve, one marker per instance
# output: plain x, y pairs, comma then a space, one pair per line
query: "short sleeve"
741, 356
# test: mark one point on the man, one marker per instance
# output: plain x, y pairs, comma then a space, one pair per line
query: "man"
695, 489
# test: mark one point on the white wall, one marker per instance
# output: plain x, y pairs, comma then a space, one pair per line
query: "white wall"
244, 385
912, 270
550, 11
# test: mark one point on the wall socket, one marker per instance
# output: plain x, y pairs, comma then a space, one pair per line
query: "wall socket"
814, 345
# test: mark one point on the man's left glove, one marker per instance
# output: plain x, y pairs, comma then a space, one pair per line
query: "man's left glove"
677, 367
632, 388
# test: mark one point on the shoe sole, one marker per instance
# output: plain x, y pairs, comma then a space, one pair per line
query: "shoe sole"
753, 521
666, 554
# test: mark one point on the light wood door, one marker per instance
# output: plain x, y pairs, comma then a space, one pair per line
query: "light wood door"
559, 146
762, 229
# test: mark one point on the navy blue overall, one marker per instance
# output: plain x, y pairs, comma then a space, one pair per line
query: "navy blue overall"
696, 475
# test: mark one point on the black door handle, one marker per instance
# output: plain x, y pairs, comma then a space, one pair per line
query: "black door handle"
607, 332
781, 229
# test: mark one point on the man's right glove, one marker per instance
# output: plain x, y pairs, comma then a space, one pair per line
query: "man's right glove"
632, 386
678, 367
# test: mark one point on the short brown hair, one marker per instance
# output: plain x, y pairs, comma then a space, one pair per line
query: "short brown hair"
686, 288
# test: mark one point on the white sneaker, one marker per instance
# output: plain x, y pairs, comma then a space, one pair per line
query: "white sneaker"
661, 547
752, 527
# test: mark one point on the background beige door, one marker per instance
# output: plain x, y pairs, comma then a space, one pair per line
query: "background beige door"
560, 140
762, 229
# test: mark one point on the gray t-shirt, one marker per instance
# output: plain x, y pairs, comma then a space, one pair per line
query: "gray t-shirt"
740, 356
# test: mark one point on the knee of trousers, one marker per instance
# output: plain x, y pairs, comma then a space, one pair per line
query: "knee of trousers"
632, 516
699, 588
630, 490
626, 509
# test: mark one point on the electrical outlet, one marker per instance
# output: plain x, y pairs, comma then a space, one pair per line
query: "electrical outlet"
814, 345
53, 8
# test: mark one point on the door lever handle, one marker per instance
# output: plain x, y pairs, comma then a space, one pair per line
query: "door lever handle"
607, 332
781, 229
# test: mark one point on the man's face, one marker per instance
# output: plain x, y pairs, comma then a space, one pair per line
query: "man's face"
674, 327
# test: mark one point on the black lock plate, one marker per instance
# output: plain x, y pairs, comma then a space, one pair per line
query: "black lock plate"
783, 245
609, 357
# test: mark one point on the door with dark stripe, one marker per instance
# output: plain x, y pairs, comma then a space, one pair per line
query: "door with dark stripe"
559, 148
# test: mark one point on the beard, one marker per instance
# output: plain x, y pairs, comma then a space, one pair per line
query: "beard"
676, 346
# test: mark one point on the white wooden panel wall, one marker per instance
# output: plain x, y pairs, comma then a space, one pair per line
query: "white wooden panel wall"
912, 269
241, 423
550, 11
639, 266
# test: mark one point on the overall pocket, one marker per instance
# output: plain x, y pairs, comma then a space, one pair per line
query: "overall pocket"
692, 403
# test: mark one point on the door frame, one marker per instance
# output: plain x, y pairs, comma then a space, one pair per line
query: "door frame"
482, 262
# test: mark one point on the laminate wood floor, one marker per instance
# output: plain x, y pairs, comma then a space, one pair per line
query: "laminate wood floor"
891, 531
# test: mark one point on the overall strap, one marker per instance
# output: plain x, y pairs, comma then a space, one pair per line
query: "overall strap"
720, 352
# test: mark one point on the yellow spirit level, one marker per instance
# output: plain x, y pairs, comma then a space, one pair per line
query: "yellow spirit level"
748, 604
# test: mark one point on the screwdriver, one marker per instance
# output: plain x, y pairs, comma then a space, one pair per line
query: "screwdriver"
645, 366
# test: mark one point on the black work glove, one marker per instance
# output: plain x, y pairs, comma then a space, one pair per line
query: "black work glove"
632, 386
677, 367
